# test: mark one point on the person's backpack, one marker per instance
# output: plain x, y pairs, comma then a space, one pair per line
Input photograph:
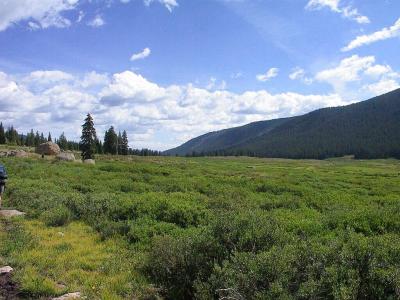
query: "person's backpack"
3, 174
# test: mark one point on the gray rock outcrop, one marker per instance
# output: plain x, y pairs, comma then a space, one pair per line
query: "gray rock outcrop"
89, 161
66, 156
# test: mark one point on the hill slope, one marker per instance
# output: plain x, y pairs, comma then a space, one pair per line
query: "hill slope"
226, 138
368, 129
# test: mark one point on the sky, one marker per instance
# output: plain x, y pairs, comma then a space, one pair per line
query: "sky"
169, 70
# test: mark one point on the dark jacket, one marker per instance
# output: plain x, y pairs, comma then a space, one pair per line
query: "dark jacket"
3, 174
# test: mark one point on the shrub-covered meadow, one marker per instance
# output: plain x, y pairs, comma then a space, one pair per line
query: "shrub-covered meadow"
205, 228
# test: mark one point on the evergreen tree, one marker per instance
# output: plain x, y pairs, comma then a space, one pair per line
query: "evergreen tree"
2, 134
125, 144
30, 139
42, 139
88, 138
49, 138
12, 136
119, 146
110, 141
37, 139
99, 147
62, 142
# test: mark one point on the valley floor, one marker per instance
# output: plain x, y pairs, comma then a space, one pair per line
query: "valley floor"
184, 228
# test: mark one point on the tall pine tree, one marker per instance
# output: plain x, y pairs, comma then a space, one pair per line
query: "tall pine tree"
62, 142
88, 138
125, 144
2, 134
37, 139
119, 145
30, 139
110, 141
49, 137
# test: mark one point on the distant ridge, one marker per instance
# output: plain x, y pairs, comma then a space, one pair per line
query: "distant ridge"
367, 129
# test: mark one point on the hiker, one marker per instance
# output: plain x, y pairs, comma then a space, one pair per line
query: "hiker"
3, 180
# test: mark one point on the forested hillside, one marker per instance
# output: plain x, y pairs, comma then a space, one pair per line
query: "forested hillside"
368, 129
219, 140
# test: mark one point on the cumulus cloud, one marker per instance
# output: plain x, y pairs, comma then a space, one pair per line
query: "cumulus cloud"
97, 21
271, 73
141, 55
145, 109
356, 73
347, 12
164, 116
13, 96
93, 78
381, 87
46, 77
348, 70
383, 34
40, 14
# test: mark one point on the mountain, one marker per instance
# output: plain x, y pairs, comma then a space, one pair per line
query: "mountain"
226, 138
367, 129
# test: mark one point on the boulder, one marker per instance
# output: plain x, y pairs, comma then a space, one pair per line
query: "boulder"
6, 270
66, 156
11, 213
17, 153
89, 161
69, 296
48, 148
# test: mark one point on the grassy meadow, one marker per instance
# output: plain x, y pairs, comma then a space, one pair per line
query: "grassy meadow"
204, 228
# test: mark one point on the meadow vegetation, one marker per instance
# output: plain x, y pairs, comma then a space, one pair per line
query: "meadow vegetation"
205, 228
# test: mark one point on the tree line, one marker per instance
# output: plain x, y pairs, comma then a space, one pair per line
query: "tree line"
113, 143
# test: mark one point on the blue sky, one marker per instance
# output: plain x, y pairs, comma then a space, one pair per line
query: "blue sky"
169, 70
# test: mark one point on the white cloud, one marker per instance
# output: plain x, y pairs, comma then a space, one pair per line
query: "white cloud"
300, 74
46, 77
356, 77
93, 78
43, 13
98, 21
13, 96
215, 85
378, 70
348, 70
141, 55
271, 73
353, 14
33, 25
381, 87
347, 12
319, 4
383, 34
169, 4
145, 109
131, 87
80, 16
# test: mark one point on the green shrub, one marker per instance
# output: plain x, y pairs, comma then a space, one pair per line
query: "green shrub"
176, 263
57, 216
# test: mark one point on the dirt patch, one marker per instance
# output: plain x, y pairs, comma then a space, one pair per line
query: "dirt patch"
8, 288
